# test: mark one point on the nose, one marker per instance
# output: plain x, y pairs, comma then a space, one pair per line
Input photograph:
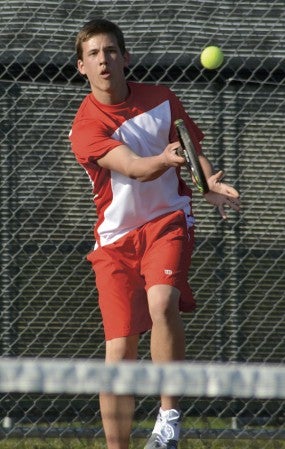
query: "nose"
102, 57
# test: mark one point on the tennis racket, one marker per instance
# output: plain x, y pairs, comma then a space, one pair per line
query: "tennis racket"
188, 151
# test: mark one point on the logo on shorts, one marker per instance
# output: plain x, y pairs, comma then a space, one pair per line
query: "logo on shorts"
169, 272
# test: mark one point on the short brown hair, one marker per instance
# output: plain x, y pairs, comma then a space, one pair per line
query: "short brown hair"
99, 26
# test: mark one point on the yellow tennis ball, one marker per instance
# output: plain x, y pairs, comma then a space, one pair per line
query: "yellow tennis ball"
212, 57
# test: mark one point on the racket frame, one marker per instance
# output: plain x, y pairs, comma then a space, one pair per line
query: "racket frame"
188, 151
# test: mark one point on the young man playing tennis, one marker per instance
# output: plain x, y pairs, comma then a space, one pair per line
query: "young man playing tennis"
123, 136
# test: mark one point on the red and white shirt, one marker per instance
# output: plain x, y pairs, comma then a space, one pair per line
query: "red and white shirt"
144, 122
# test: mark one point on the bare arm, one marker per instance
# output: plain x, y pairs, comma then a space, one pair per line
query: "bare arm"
123, 160
220, 194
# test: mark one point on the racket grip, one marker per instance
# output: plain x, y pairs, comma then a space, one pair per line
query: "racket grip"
180, 152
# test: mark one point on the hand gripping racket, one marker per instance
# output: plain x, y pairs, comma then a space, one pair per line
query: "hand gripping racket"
188, 151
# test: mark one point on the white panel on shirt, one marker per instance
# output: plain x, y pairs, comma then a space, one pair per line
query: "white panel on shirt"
134, 203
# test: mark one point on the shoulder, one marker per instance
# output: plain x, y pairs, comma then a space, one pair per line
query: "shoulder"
146, 96
85, 126
150, 89
84, 107
89, 117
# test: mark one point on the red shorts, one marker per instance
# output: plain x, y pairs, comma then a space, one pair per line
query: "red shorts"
158, 252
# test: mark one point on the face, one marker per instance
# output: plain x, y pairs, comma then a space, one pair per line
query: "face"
103, 64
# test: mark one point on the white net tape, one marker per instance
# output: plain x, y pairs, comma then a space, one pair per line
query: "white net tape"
144, 378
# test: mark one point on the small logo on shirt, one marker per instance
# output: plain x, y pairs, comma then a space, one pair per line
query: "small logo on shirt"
169, 272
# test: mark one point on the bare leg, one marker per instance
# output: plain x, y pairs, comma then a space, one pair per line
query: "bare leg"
117, 411
167, 335
117, 415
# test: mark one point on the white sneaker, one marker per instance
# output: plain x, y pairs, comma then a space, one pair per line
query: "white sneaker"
166, 431
154, 442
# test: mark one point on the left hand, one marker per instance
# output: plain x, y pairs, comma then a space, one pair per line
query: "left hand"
222, 194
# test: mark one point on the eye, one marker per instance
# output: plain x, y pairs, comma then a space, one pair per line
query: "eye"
112, 50
93, 53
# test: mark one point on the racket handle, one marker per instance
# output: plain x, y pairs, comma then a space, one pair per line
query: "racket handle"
180, 152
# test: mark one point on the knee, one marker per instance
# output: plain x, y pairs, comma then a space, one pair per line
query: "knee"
163, 303
123, 348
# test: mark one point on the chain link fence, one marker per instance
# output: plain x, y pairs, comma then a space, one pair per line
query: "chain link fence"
48, 300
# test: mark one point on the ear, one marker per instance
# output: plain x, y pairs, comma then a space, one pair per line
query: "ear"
80, 67
127, 58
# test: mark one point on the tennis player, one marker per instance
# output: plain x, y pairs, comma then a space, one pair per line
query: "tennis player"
123, 136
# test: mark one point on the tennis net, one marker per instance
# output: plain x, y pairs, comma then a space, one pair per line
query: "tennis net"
56, 386
82, 376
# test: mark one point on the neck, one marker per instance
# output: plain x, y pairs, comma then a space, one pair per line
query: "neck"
112, 96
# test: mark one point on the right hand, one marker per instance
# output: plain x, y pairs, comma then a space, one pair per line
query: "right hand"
171, 158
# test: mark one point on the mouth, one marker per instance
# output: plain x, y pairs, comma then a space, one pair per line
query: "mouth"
105, 74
